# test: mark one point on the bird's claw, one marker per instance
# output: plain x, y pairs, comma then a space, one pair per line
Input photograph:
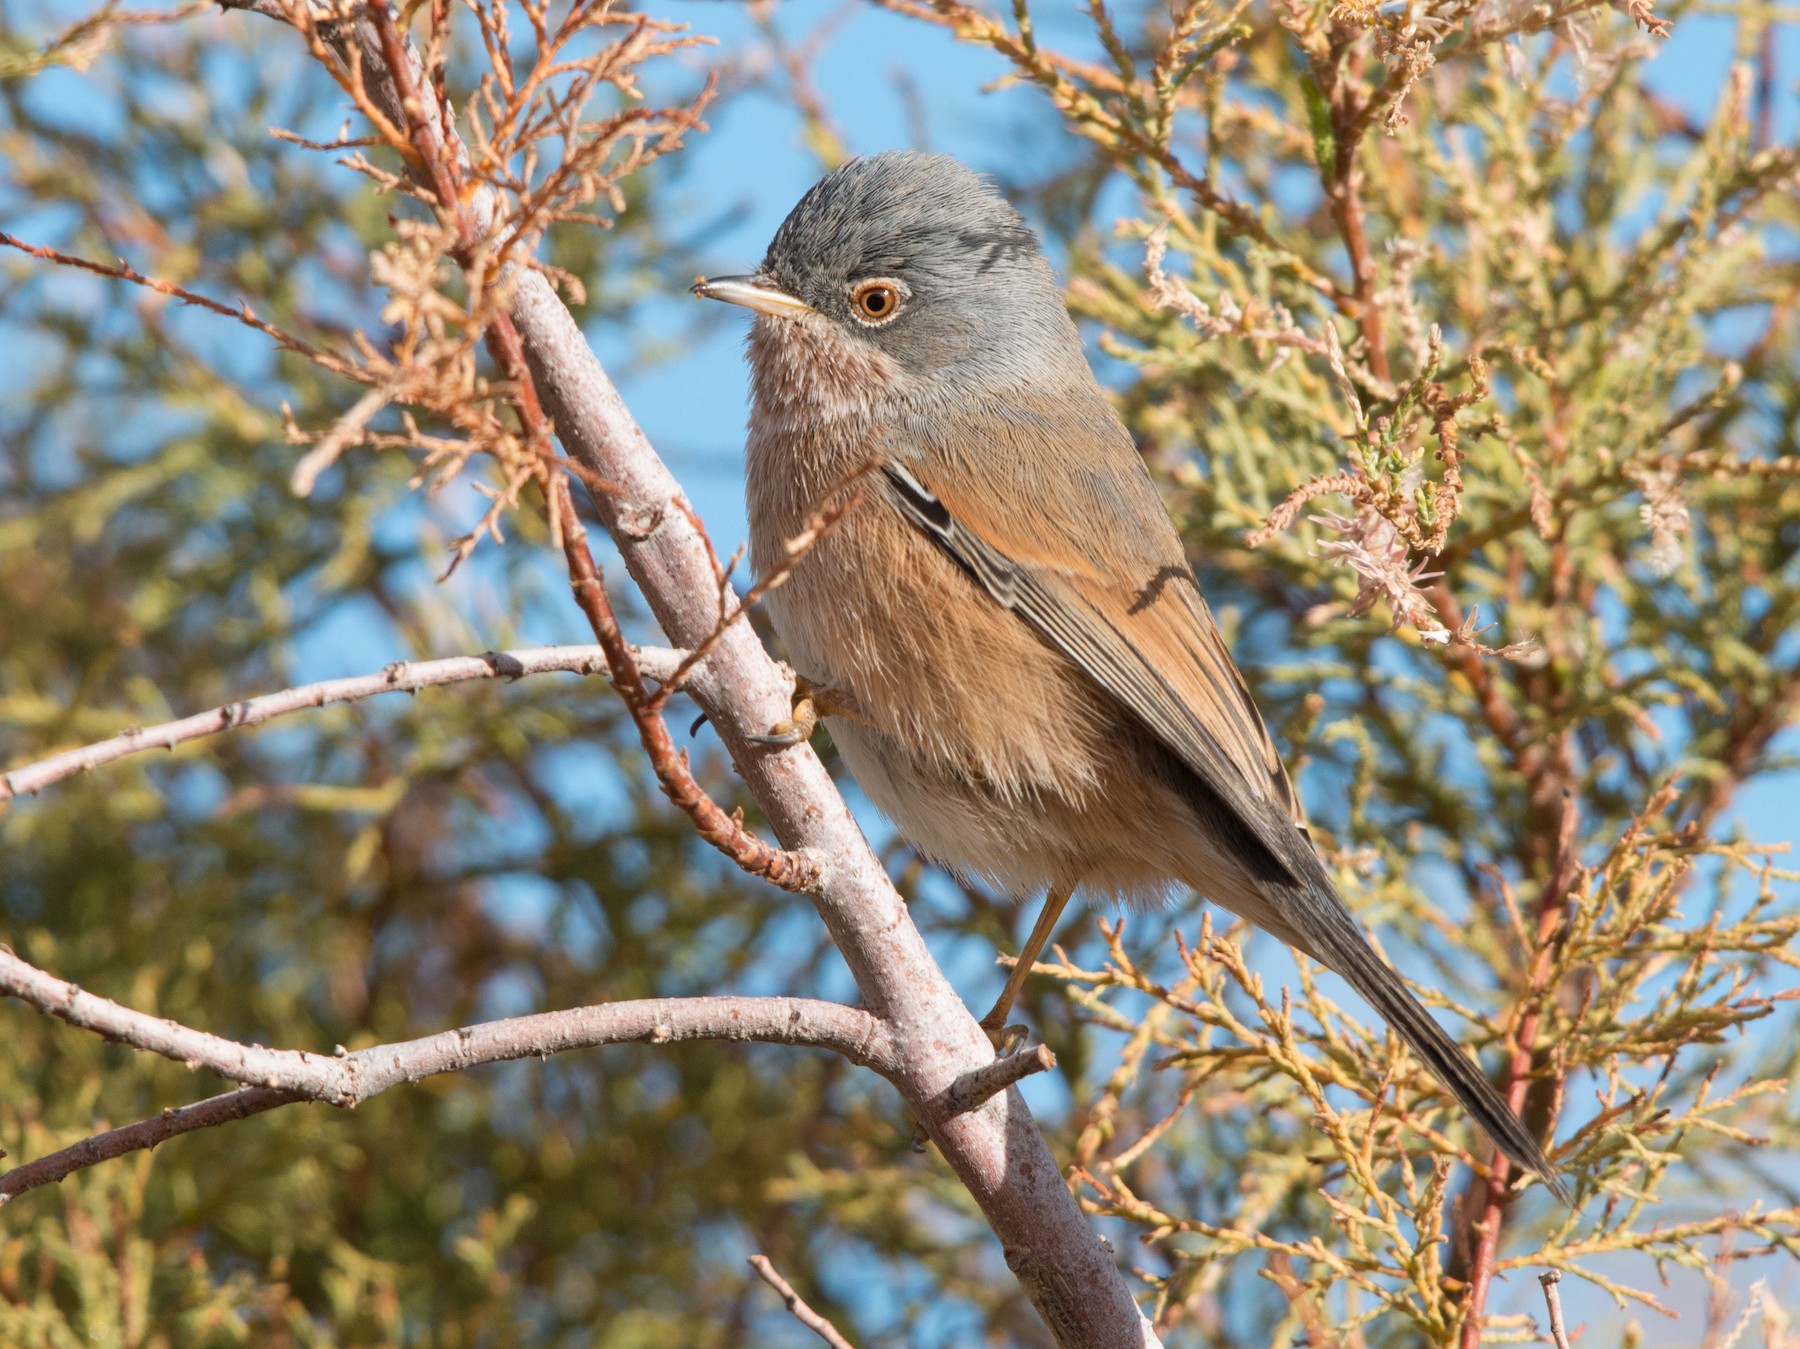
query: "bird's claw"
1006, 1040
811, 702
797, 728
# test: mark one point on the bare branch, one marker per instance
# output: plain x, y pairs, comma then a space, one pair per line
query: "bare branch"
213, 1111
804, 1314
726, 832
1553, 1300
974, 1089
839, 501
348, 1079
400, 677
998, 1153
438, 161
283, 1076
122, 271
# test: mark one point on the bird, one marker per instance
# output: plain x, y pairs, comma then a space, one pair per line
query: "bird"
1001, 620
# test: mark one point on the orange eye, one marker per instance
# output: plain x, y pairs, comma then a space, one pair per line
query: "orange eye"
876, 302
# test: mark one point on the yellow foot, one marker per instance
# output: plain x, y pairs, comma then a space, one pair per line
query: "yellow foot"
810, 704
1005, 1039
800, 723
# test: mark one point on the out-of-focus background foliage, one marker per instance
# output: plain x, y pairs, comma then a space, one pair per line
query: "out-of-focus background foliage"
1603, 215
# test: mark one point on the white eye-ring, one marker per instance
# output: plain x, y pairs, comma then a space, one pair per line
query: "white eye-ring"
876, 301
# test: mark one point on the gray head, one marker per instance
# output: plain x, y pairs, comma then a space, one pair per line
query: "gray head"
914, 264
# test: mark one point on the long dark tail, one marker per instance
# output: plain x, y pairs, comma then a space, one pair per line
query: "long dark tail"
1338, 941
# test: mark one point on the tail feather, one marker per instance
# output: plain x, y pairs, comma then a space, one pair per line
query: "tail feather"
1339, 942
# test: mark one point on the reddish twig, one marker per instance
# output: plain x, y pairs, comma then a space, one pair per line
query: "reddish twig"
436, 160
123, 271
818, 526
439, 169
1516, 1084
997, 1152
1342, 181
790, 871
1527, 756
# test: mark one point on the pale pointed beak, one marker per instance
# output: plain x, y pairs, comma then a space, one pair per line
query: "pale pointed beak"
753, 292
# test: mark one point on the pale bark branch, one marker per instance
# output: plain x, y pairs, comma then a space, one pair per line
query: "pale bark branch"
975, 1088
997, 1152
347, 1079
284, 1076
796, 1304
1553, 1300
400, 677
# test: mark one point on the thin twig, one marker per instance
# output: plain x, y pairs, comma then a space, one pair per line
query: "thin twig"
400, 677
1497, 1195
82, 41
802, 1313
1552, 1299
997, 1153
103, 1147
123, 271
820, 524
726, 832
437, 165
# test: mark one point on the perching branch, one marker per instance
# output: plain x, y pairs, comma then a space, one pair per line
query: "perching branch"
285, 1076
400, 677
997, 1152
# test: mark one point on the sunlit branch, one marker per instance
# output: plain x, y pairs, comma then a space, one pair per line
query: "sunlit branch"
400, 677
282, 1076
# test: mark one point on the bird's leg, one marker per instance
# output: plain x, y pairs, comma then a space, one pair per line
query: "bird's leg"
1008, 1038
810, 703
